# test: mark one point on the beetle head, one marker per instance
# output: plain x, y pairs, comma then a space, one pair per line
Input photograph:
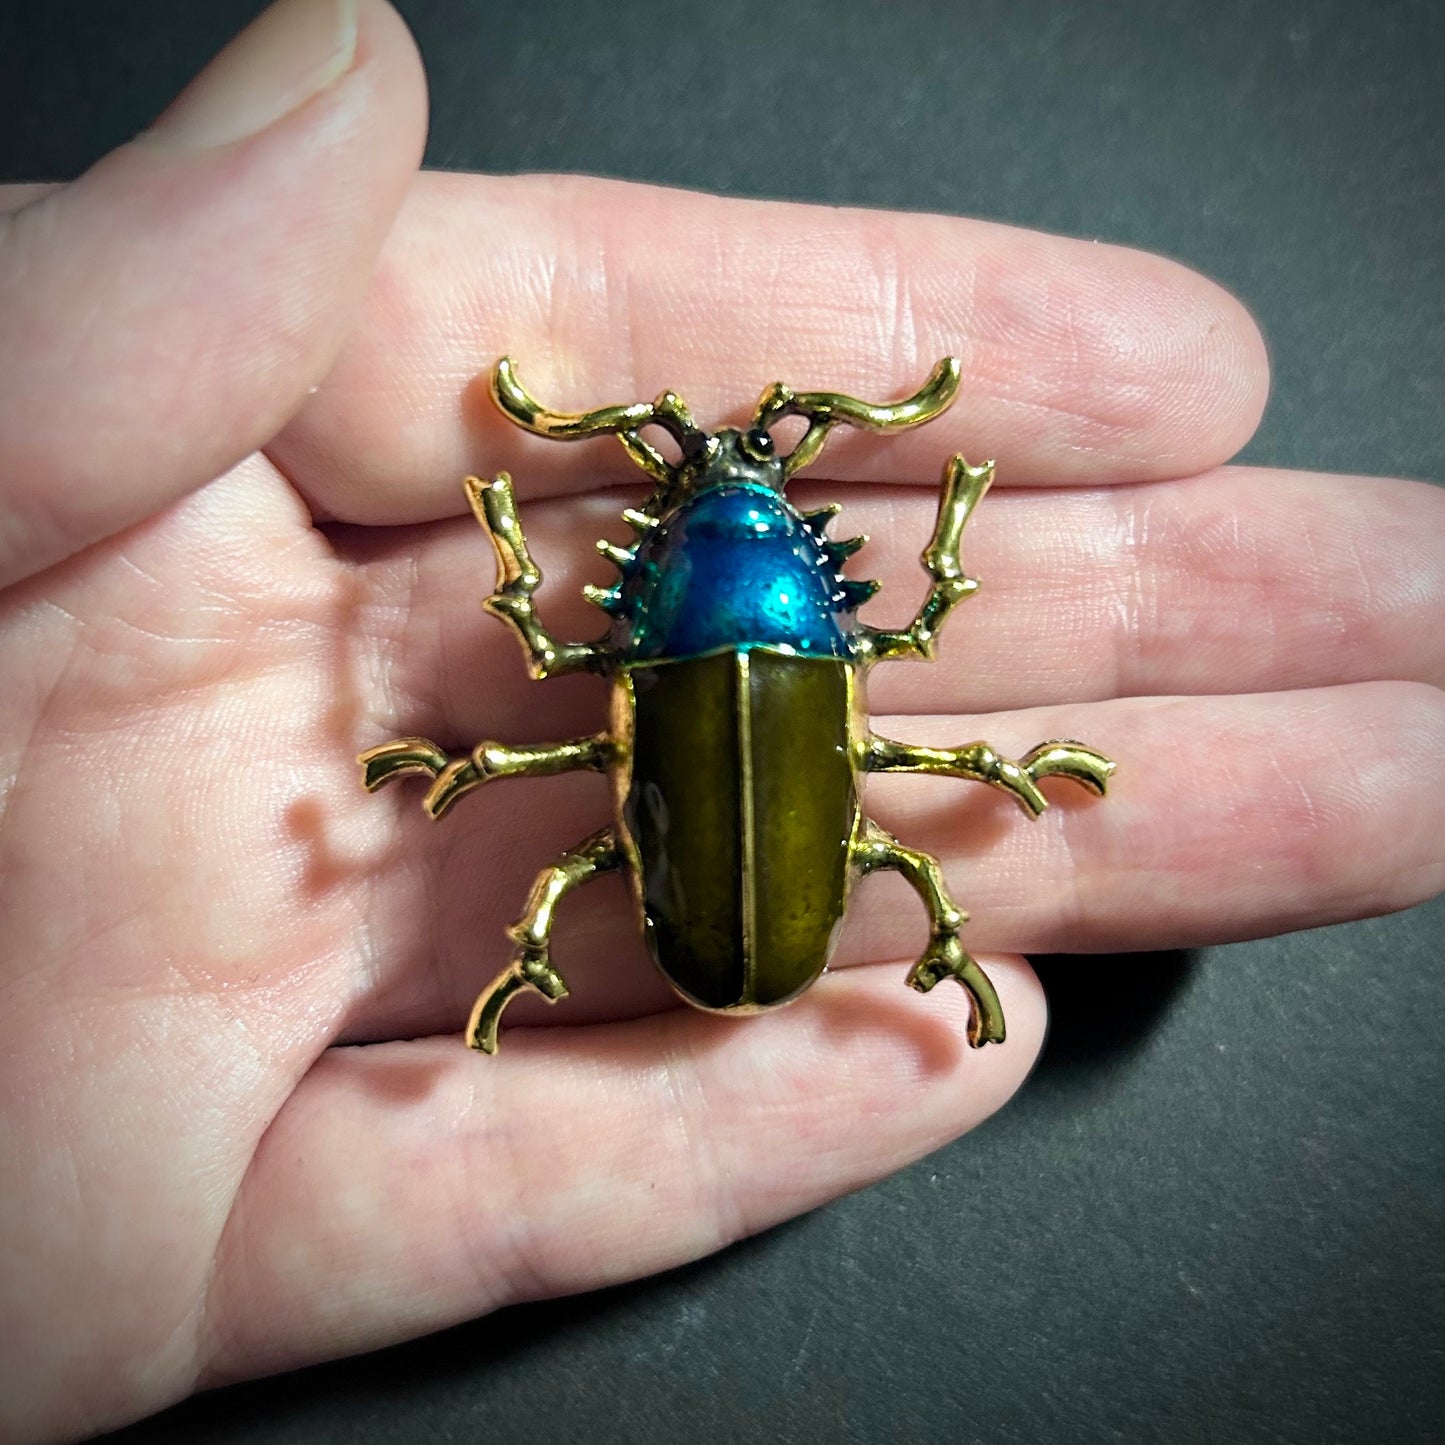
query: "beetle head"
730, 456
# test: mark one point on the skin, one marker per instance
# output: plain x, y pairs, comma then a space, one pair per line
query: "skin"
241, 391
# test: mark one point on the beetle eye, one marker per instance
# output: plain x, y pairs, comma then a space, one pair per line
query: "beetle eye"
758, 444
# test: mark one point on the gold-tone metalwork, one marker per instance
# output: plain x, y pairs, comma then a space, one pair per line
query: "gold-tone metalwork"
531, 965
945, 956
979, 763
825, 409
668, 411
822, 409
640, 522
963, 489
488, 761
496, 509
618, 556
762, 752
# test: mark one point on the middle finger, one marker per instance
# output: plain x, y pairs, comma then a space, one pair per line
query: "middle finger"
1081, 362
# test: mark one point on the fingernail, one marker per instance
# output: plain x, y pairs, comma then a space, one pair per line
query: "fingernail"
287, 55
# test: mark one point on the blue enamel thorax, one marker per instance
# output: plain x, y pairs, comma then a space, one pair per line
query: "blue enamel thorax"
734, 565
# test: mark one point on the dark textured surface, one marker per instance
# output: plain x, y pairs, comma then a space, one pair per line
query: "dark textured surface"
1204, 1220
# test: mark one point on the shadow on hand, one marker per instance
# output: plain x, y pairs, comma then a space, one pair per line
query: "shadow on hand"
1103, 1008
455, 1370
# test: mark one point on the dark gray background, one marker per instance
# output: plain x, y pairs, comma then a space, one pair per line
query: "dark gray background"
1200, 1221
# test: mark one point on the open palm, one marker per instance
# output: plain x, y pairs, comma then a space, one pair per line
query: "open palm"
205, 1175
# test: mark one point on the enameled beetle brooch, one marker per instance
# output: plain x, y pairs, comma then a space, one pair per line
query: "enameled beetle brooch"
739, 738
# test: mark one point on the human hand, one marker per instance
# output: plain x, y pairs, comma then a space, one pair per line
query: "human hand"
204, 1177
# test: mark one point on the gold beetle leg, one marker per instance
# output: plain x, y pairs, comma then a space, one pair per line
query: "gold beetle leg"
496, 509
944, 957
963, 488
980, 763
531, 965
456, 777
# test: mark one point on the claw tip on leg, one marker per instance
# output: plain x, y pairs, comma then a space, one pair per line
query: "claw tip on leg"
482, 1032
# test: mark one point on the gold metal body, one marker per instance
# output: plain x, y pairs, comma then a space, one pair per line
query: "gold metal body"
793, 820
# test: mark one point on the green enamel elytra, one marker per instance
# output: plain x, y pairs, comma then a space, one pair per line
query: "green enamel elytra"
741, 867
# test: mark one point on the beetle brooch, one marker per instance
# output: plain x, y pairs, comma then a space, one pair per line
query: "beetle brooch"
738, 739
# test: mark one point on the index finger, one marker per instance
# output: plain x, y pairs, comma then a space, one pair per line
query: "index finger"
1082, 363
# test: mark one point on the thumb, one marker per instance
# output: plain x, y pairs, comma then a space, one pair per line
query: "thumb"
163, 316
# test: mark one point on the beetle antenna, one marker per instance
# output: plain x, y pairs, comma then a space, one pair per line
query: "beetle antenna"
826, 409
669, 411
